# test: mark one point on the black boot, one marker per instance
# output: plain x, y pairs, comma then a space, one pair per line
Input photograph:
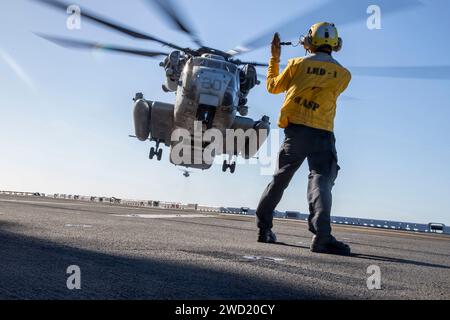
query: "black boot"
329, 245
267, 236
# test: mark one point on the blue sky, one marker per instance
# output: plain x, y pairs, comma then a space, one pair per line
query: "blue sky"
65, 115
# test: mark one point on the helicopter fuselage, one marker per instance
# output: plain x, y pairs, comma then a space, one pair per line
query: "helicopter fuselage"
208, 93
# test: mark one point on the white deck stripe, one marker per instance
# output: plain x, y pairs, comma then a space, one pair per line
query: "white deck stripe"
165, 216
47, 202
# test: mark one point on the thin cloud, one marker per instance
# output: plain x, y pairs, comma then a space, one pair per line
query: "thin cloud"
17, 69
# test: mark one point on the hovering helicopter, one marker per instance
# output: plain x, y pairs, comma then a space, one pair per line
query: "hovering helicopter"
212, 86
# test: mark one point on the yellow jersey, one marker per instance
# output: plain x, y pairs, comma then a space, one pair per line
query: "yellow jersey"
312, 85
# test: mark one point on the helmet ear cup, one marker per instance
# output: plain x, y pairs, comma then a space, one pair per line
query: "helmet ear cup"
339, 46
307, 43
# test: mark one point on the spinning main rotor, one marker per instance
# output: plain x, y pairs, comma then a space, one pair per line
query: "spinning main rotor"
288, 29
166, 7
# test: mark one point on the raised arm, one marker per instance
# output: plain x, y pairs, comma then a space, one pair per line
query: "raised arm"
276, 82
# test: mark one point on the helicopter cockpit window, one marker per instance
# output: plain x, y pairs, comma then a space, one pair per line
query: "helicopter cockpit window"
201, 62
209, 63
230, 67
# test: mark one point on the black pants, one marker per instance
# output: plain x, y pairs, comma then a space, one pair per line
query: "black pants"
319, 147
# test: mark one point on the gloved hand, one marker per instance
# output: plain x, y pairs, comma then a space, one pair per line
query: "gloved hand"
276, 47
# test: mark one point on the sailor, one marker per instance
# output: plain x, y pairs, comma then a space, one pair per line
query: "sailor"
312, 85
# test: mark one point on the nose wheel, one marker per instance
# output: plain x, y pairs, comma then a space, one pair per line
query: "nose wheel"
229, 165
156, 152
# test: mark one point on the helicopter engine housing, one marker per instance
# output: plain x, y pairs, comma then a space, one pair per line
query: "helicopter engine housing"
162, 121
142, 118
173, 66
153, 120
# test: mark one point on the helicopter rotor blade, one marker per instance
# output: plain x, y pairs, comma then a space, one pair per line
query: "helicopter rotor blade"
331, 11
418, 72
63, 6
348, 98
87, 45
441, 72
260, 75
255, 64
169, 10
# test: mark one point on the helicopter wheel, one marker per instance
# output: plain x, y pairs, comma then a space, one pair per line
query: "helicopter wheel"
159, 154
233, 168
224, 166
152, 153
227, 166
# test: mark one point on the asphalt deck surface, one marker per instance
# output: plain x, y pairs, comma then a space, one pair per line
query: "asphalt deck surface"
138, 253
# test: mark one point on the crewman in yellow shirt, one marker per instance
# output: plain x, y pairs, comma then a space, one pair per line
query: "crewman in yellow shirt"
312, 85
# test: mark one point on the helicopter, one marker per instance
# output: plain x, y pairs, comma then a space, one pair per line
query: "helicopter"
212, 86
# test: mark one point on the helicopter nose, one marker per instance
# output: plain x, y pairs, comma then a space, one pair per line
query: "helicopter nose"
209, 100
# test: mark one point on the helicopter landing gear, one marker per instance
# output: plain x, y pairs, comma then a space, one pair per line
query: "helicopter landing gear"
229, 165
156, 152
